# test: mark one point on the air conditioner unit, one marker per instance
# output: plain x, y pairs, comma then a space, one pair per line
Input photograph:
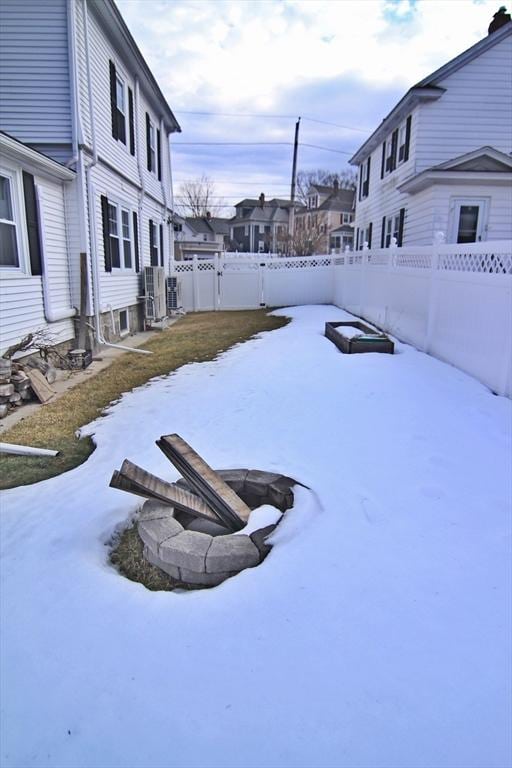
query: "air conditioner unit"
154, 293
173, 295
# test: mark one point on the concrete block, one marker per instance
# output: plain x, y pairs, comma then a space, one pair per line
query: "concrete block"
207, 526
170, 570
231, 553
154, 532
235, 478
186, 550
258, 482
258, 539
205, 579
153, 509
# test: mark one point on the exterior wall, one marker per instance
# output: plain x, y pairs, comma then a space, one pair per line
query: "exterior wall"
35, 97
120, 176
442, 130
21, 294
384, 199
431, 211
476, 110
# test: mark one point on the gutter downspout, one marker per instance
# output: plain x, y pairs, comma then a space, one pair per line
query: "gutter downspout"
90, 201
171, 190
51, 315
141, 176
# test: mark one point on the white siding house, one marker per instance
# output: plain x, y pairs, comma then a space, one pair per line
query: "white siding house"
440, 162
34, 256
76, 88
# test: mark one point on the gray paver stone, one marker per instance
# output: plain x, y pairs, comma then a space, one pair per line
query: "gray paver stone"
207, 526
170, 570
186, 550
258, 481
258, 539
231, 553
154, 532
153, 509
206, 579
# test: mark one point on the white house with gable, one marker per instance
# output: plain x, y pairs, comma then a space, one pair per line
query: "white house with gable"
75, 88
440, 162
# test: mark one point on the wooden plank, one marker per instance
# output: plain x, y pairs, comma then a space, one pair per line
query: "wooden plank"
40, 386
134, 479
222, 499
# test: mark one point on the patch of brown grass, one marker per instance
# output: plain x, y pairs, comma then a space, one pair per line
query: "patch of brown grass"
195, 338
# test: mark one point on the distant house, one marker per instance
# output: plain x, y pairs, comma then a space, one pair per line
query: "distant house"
200, 236
327, 223
440, 161
260, 226
75, 88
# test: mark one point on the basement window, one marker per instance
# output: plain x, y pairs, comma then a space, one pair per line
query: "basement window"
124, 325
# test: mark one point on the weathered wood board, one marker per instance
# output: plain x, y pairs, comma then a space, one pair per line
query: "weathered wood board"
40, 386
212, 489
136, 480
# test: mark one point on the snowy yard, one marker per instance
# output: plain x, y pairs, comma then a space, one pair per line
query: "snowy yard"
377, 632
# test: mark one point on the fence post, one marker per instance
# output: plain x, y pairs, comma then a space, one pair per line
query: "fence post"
216, 281
362, 279
195, 287
432, 298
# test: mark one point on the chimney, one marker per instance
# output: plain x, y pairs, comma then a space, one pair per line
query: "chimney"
500, 18
336, 185
262, 200
208, 215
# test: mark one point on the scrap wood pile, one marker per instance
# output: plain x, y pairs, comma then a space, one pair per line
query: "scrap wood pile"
21, 382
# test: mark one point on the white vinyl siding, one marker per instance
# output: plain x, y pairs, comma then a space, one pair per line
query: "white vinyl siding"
35, 96
475, 110
21, 295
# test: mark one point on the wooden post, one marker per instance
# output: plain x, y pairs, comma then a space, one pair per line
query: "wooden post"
83, 301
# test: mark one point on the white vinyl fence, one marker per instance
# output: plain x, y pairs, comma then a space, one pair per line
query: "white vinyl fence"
452, 301
249, 282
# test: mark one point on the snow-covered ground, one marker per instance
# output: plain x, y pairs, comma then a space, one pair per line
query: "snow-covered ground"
376, 633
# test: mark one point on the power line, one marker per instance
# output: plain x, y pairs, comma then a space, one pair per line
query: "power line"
279, 117
257, 144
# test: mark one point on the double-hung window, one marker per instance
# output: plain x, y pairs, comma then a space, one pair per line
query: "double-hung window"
121, 109
152, 145
9, 252
364, 180
119, 232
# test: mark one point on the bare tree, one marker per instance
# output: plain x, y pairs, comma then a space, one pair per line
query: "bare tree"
197, 198
303, 242
346, 179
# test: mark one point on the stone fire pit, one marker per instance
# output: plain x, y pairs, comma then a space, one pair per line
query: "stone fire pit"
200, 552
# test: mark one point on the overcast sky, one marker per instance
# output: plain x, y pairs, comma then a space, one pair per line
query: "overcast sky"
339, 61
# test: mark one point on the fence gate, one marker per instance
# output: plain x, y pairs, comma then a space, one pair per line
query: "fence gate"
240, 283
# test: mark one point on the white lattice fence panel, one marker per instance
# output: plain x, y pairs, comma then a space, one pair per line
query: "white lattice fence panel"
497, 260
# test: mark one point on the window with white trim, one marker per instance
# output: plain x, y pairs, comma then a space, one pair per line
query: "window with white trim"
120, 235
9, 250
392, 229
121, 108
152, 145
346, 218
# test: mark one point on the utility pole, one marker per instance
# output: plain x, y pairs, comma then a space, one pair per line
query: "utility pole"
294, 175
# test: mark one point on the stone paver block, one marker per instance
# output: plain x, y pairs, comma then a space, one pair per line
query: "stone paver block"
231, 553
170, 570
153, 509
235, 478
258, 482
258, 539
154, 532
186, 550
207, 526
205, 579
